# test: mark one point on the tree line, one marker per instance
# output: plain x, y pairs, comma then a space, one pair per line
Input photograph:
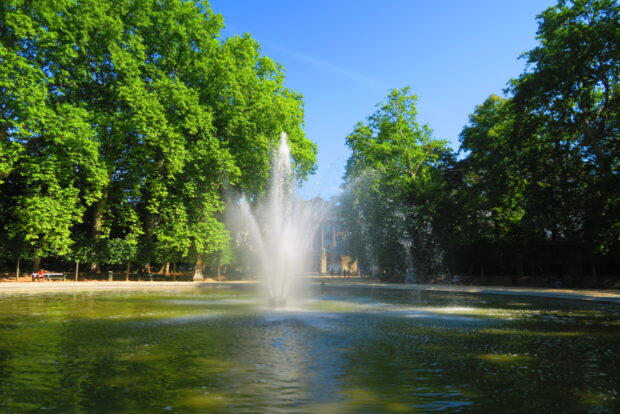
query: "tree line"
534, 189
125, 125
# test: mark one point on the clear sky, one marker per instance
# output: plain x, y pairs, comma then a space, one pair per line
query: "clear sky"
344, 55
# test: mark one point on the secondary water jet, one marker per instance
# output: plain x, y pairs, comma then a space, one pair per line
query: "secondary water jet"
281, 229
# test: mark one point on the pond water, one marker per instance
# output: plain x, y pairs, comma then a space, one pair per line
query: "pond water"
345, 350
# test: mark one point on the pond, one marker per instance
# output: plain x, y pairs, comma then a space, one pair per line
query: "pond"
357, 350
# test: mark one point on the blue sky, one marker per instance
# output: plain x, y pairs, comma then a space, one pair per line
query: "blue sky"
344, 55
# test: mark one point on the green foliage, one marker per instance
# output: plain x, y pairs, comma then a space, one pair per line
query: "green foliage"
541, 167
251, 108
59, 174
127, 122
538, 179
494, 184
118, 251
567, 110
391, 179
393, 143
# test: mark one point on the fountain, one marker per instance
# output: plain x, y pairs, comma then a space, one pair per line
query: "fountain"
280, 230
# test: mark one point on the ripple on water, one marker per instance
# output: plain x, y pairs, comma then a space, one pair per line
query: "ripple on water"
315, 319
334, 354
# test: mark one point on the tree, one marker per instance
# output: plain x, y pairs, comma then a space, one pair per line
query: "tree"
491, 193
569, 99
540, 172
390, 179
131, 121
251, 108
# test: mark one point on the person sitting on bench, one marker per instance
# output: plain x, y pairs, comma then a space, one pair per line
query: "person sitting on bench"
38, 275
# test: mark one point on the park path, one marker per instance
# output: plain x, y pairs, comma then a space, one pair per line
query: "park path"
599, 295
62, 286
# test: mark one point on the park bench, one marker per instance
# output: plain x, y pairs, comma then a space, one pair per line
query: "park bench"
55, 276
49, 276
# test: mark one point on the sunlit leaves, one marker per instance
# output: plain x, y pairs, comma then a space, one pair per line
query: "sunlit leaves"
127, 122
392, 177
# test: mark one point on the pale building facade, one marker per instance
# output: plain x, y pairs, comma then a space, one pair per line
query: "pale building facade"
329, 257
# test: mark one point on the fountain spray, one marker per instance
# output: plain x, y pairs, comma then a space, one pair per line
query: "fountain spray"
281, 229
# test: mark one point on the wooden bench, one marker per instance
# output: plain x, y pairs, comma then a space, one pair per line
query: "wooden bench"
55, 276
48, 276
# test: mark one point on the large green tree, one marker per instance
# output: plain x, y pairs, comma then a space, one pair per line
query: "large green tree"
489, 194
567, 105
539, 180
392, 178
129, 121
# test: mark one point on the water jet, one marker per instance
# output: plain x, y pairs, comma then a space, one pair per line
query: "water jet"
280, 229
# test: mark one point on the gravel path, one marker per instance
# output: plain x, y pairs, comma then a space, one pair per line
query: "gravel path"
60, 286
600, 295
611, 296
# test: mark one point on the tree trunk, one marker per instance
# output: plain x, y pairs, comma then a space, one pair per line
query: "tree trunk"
95, 268
127, 271
36, 264
219, 275
149, 223
162, 269
97, 227
19, 259
198, 268
77, 270
518, 275
593, 135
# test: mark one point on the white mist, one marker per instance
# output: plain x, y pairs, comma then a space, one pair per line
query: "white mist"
281, 230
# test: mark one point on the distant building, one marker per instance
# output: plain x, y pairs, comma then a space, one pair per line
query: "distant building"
328, 256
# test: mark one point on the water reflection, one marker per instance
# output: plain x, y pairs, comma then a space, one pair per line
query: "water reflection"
219, 350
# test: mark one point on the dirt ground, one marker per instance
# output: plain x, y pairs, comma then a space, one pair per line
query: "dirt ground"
27, 286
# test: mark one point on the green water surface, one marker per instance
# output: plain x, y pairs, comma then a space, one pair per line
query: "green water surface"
345, 350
